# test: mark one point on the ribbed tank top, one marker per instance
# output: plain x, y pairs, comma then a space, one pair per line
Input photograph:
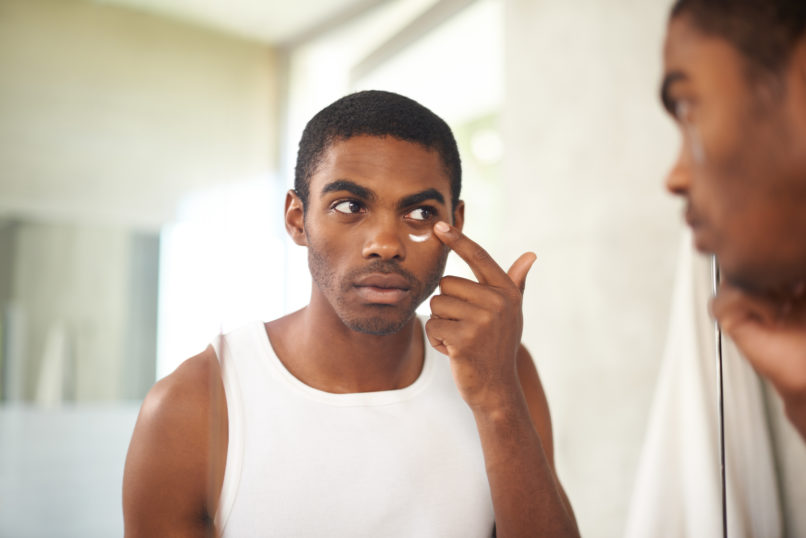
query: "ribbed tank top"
306, 463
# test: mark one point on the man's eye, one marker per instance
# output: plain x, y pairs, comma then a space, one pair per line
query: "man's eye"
422, 213
348, 207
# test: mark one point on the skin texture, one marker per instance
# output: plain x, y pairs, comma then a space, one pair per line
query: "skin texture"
175, 464
367, 197
742, 173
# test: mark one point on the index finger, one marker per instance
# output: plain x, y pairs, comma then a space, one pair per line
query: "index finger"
483, 265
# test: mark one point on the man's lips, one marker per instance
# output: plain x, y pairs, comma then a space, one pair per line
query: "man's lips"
690, 217
383, 280
380, 288
702, 240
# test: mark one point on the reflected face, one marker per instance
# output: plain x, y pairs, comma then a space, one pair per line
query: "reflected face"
373, 202
742, 164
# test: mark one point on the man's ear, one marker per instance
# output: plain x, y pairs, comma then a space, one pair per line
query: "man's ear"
295, 218
459, 215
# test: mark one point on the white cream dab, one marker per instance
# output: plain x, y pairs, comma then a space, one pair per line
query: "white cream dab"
420, 238
697, 149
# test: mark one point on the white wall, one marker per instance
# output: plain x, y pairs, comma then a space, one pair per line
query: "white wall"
111, 115
587, 147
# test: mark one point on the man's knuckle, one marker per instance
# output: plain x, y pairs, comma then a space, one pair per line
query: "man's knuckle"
480, 255
498, 303
486, 317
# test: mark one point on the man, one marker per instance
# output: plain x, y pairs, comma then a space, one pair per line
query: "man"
345, 418
735, 82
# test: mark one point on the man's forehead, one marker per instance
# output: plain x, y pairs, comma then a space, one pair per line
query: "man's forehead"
682, 42
687, 44
708, 60
381, 162
363, 146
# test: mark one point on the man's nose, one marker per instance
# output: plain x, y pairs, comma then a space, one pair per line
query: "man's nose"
678, 180
383, 240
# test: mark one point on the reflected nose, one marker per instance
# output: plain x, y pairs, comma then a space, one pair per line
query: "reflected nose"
678, 180
384, 241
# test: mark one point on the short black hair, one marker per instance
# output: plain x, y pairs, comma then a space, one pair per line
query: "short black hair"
375, 113
765, 32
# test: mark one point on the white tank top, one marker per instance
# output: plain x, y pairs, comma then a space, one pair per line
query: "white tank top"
306, 463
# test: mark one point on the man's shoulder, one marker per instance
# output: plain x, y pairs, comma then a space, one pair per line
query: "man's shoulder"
181, 400
169, 450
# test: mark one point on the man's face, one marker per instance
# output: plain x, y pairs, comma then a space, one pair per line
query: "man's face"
372, 205
742, 165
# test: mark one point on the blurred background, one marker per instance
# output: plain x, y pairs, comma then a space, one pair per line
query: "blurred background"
145, 150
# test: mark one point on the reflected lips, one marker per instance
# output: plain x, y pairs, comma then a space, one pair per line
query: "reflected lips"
382, 288
695, 223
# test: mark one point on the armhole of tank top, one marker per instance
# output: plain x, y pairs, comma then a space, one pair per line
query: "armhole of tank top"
235, 418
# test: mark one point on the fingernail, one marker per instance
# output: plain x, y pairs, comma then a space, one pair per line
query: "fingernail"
443, 227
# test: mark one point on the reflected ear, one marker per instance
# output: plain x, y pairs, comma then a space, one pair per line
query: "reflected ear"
459, 215
295, 218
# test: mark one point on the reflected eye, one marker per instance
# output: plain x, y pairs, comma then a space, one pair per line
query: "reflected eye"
348, 207
422, 213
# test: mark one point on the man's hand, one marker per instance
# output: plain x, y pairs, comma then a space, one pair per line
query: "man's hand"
479, 324
771, 333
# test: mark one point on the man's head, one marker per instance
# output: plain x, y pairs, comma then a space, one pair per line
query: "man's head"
735, 81
371, 183
381, 114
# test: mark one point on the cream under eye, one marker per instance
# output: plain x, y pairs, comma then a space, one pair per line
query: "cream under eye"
683, 114
421, 238
682, 110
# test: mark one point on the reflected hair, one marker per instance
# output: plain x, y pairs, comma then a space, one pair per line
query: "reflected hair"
375, 113
765, 32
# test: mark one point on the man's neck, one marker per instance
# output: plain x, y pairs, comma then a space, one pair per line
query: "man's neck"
321, 351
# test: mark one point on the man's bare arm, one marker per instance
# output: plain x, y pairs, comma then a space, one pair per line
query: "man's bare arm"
176, 457
518, 449
479, 325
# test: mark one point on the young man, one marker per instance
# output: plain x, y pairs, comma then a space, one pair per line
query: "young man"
735, 82
351, 417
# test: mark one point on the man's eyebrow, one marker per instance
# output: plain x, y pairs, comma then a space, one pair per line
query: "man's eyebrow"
349, 186
665, 98
420, 197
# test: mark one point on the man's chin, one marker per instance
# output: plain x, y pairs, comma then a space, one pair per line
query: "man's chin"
382, 324
702, 241
763, 281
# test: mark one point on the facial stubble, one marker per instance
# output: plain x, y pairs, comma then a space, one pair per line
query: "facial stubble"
374, 324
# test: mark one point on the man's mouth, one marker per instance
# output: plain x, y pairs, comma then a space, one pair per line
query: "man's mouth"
699, 231
382, 288
691, 218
